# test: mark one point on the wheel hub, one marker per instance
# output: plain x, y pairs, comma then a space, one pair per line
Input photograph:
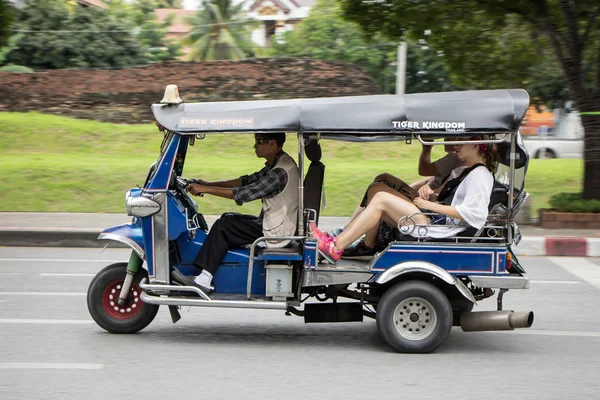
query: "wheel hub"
110, 301
415, 318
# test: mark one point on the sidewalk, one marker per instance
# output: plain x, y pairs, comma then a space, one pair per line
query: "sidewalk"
82, 229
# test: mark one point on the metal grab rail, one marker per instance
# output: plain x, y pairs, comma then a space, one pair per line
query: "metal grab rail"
188, 302
170, 288
407, 225
253, 249
455, 142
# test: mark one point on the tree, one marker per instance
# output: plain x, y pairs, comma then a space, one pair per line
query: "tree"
6, 19
169, 3
56, 35
153, 34
425, 71
325, 35
220, 32
153, 38
500, 39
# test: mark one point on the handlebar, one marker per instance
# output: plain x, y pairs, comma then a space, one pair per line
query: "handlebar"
182, 183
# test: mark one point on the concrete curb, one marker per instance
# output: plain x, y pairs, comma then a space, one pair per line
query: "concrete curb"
77, 237
53, 238
559, 246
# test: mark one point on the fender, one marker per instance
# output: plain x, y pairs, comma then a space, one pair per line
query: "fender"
424, 268
129, 234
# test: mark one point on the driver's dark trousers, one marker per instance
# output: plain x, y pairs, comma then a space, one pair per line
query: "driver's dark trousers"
227, 232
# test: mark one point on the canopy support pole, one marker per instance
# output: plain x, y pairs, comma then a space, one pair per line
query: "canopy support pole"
401, 68
511, 179
301, 183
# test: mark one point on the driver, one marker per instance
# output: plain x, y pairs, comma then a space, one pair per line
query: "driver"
276, 185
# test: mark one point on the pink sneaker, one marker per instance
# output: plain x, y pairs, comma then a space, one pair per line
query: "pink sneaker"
317, 233
328, 251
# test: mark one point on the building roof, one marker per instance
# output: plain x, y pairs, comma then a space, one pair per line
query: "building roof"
291, 9
285, 5
92, 3
279, 4
179, 25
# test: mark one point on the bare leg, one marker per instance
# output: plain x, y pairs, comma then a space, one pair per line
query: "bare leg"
358, 210
375, 188
371, 235
383, 205
384, 176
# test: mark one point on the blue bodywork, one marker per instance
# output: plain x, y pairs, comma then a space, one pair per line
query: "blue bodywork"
457, 259
231, 277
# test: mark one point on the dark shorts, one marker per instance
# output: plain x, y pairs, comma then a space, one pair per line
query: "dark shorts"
404, 190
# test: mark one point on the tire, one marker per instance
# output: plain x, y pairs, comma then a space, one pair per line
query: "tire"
102, 297
545, 153
414, 317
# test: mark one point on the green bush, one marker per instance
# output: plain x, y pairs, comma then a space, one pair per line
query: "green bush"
16, 68
573, 202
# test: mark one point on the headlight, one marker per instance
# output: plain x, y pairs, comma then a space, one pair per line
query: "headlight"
141, 206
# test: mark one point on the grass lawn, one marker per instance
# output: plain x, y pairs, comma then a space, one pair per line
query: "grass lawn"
52, 163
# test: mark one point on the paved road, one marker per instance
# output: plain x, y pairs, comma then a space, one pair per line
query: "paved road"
50, 348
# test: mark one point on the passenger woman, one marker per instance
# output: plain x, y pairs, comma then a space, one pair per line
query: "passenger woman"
465, 203
438, 171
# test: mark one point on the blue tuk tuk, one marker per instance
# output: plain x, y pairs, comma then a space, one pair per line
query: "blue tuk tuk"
416, 289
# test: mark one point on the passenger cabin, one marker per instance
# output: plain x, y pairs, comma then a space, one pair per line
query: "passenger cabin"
426, 118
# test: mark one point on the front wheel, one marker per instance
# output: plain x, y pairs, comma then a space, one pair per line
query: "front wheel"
102, 297
414, 317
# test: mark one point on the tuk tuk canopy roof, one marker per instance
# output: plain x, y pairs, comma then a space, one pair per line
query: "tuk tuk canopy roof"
447, 113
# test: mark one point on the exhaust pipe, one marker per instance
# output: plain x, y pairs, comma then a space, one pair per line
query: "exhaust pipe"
495, 320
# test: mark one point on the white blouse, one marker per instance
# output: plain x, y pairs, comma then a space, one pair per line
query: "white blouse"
471, 200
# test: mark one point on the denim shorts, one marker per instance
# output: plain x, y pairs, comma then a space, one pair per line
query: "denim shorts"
434, 218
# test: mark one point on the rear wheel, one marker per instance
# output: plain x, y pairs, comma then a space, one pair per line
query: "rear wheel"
414, 317
102, 299
546, 153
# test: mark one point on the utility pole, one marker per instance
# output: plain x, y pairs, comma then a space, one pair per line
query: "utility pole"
401, 68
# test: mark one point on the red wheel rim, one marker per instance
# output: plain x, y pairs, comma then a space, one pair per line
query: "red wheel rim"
129, 309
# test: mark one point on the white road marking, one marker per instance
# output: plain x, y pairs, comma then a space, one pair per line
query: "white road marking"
45, 321
558, 282
59, 260
593, 247
22, 365
53, 274
556, 333
580, 267
42, 294
12, 273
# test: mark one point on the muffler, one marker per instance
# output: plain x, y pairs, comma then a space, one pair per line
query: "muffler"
495, 320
